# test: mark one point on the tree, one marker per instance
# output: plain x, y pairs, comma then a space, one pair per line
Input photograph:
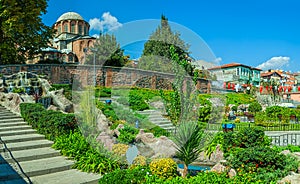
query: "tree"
188, 139
156, 54
22, 33
107, 52
254, 107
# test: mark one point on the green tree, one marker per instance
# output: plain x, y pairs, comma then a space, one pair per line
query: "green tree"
156, 54
254, 107
107, 52
188, 139
22, 33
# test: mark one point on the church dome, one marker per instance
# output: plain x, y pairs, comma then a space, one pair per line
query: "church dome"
70, 16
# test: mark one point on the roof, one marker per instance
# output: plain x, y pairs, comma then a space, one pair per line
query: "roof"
266, 74
70, 16
233, 65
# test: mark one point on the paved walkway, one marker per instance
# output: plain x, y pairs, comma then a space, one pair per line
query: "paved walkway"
27, 157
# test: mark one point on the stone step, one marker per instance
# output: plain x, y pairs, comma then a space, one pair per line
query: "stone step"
158, 119
17, 132
17, 119
165, 125
162, 122
27, 145
9, 117
6, 112
22, 138
30, 154
67, 177
12, 124
46, 166
17, 127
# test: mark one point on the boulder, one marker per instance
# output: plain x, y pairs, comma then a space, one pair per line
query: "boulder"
12, 101
52, 107
215, 157
231, 173
107, 140
286, 152
61, 101
218, 168
155, 147
292, 178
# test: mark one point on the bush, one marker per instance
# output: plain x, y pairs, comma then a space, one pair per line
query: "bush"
164, 167
136, 175
120, 149
254, 107
158, 131
127, 134
89, 159
139, 161
50, 123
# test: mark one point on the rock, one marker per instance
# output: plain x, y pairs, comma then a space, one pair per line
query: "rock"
292, 178
218, 168
116, 131
286, 152
61, 101
231, 173
103, 124
107, 140
52, 107
12, 101
216, 157
158, 147
159, 105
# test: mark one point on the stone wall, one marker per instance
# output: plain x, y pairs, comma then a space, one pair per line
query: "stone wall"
105, 76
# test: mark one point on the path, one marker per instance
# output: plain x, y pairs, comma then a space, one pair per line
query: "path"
24, 149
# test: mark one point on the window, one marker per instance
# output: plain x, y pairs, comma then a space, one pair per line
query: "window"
80, 29
73, 27
59, 29
237, 71
66, 28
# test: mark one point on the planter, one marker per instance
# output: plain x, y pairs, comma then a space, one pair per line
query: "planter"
228, 127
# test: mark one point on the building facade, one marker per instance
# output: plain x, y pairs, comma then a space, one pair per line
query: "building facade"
70, 42
237, 74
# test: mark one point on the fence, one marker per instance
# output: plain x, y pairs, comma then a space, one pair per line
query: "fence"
286, 139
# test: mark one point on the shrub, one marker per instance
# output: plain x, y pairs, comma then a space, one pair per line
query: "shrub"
234, 108
134, 175
139, 161
89, 159
158, 131
127, 134
237, 120
163, 167
50, 123
262, 160
120, 149
254, 107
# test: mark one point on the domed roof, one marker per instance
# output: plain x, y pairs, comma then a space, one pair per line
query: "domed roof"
70, 16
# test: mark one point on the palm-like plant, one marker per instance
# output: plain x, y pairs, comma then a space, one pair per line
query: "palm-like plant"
188, 139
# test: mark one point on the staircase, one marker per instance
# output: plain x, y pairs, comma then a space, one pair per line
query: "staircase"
155, 116
27, 157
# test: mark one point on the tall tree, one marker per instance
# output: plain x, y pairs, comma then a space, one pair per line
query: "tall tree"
156, 54
107, 52
22, 32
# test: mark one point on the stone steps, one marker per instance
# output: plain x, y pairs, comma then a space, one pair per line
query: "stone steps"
157, 118
32, 153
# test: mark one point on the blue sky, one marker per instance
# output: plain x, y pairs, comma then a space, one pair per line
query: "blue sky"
252, 32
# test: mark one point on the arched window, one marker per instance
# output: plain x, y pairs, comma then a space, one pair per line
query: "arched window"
59, 29
65, 27
79, 29
73, 27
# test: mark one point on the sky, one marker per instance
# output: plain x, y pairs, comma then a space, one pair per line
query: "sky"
258, 33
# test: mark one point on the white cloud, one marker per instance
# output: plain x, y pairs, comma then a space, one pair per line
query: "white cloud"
95, 35
274, 63
106, 23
